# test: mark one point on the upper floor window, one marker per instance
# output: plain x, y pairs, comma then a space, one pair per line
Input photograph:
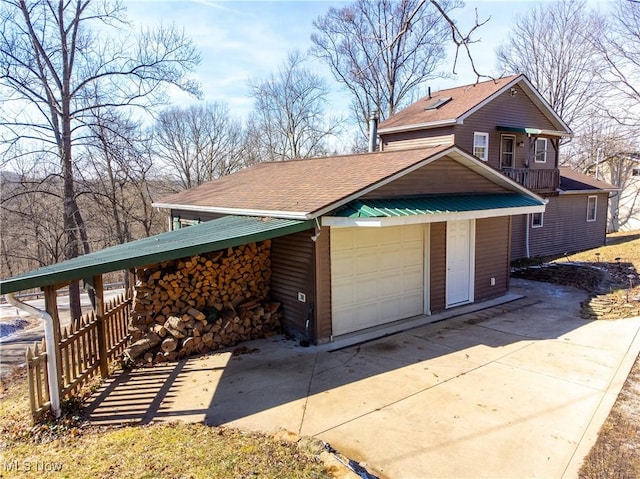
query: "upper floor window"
592, 207
507, 151
481, 145
541, 150
635, 172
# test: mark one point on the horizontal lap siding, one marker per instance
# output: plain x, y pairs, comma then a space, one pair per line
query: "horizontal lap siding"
323, 329
565, 228
417, 139
292, 265
492, 257
506, 110
437, 266
518, 236
443, 176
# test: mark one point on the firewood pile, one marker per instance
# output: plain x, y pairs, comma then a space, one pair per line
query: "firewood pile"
202, 303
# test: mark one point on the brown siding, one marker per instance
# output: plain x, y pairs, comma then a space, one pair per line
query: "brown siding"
492, 257
323, 330
506, 110
417, 139
441, 176
518, 237
565, 228
292, 265
437, 266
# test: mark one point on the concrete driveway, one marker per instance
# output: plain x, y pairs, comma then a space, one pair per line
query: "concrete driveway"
516, 390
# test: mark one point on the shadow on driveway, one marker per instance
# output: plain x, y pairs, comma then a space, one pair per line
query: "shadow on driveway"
506, 391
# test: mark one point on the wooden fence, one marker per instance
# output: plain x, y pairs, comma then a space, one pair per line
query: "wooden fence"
79, 353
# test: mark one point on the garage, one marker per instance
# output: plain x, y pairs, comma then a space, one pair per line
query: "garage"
377, 275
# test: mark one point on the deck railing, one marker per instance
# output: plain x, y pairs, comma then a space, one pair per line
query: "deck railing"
79, 353
535, 179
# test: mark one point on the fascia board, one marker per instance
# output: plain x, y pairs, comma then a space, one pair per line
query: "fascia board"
289, 215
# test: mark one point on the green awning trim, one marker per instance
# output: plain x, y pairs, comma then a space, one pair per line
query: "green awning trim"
388, 208
533, 131
217, 234
511, 129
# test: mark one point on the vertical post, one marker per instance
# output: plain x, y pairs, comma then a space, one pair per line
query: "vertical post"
51, 307
102, 326
131, 275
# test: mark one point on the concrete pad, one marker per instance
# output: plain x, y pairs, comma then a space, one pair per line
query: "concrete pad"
516, 390
475, 426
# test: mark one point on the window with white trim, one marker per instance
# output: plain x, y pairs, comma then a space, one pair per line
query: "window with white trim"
179, 223
540, 154
481, 145
537, 220
507, 151
592, 207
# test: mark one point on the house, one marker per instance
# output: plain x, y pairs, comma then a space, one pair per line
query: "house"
393, 234
509, 126
622, 169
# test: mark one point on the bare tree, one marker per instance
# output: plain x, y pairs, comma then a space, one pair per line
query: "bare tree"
200, 143
116, 177
56, 70
610, 152
551, 44
382, 51
619, 47
289, 117
30, 214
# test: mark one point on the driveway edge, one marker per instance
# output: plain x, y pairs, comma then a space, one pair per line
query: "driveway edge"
606, 404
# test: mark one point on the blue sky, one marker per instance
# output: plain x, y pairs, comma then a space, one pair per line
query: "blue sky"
242, 40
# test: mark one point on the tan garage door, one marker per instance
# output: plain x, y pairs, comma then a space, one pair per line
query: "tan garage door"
377, 276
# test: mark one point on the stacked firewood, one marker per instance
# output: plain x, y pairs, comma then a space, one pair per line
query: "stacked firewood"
202, 303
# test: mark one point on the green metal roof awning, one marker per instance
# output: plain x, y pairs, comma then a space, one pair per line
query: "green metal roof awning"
436, 205
209, 236
533, 131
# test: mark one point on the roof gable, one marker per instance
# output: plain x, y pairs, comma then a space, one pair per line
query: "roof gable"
452, 106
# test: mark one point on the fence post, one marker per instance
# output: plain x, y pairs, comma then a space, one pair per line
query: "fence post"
102, 326
51, 307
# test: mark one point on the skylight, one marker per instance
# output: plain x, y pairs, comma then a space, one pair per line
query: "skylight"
438, 103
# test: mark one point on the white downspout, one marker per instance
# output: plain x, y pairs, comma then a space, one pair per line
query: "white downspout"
52, 365
527, 235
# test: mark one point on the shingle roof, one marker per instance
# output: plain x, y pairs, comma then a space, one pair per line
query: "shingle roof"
453, 105
463, 99
298, 186
574, 181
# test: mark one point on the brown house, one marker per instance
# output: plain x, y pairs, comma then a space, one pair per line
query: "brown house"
393, 234
508, 125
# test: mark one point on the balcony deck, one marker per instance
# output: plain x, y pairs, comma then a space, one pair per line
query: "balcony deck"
537, 180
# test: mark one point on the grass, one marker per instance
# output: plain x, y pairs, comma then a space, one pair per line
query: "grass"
71, 448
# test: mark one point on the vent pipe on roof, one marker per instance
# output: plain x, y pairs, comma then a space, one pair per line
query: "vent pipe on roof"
373, 131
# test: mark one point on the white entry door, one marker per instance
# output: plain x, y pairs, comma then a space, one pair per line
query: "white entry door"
377, 276
460, 262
